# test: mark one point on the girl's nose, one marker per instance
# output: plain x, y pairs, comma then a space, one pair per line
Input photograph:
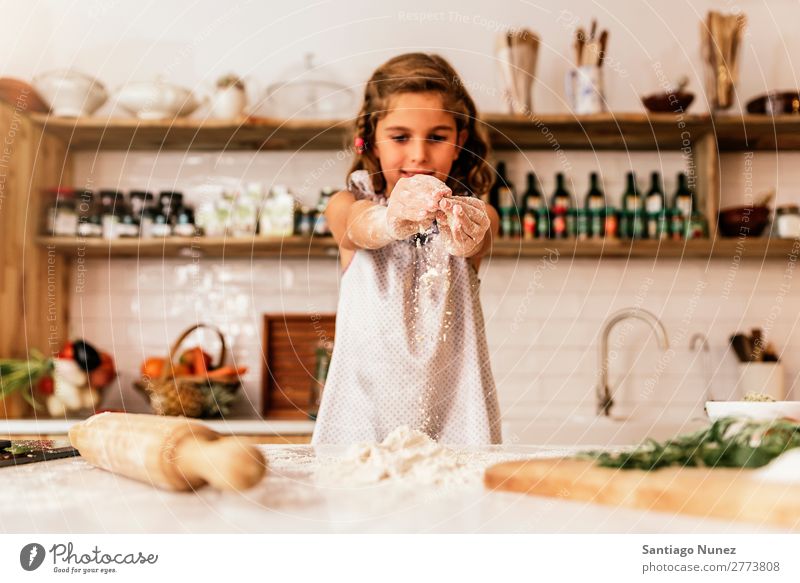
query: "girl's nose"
419, 150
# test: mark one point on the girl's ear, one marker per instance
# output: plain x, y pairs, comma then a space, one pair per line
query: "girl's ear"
462, 139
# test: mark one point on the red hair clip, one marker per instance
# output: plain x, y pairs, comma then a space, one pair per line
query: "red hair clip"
359, 144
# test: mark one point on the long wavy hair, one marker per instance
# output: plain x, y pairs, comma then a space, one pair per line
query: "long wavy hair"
423, 73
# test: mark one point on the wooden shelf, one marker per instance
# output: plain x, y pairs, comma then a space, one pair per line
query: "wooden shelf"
610, 131
325, 247
757, 132
286, 247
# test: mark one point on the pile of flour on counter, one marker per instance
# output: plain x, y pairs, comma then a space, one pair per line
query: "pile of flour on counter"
406, 456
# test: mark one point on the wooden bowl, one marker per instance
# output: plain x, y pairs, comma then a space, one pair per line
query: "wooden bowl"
749, 221
775, 103
668, 102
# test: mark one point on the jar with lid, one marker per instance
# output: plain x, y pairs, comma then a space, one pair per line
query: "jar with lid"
88, 214
305, 222
160, 226
112, 203
61, 217
139, 200
321, 226
787, 221
184, 223
169, 201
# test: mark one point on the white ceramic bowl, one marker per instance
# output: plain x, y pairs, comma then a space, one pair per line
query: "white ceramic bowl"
761, 410
156, 100
70, 93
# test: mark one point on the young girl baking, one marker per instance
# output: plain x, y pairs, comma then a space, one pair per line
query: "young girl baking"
410, 343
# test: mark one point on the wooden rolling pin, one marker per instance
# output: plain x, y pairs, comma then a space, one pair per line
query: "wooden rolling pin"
169, 452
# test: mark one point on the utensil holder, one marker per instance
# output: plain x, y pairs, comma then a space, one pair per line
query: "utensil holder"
585, 90
762, 377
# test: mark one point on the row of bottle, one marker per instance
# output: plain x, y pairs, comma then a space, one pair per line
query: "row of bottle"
110, 214
640, 216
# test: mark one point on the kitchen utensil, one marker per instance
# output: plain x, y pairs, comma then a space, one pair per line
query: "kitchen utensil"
775, 103
70, 93
584, 90
747, 221
158, 99
21, 95
727, 493
760, 410
742, 346
170, 453
32, 451
720, 39
762, 377
516, 54
308, 92
757, 342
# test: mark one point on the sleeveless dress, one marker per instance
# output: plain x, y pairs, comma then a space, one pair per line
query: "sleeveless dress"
410, 346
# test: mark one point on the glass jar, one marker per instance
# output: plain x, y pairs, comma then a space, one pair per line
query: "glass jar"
161, 226
787, 221
184, 223
61, 217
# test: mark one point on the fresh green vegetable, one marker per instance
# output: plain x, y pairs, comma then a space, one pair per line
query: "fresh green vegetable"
20, 375
729, 442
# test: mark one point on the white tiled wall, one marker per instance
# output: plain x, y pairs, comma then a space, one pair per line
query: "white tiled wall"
543, 321
543, 315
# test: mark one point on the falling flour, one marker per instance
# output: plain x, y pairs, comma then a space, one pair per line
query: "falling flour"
406, 455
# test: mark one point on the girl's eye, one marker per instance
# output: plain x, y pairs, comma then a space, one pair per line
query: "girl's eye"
437, 138
399, 138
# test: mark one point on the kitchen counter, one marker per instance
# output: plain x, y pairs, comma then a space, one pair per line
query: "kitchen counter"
70, 496
223, 426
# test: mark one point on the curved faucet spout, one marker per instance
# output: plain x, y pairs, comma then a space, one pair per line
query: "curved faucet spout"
604, 400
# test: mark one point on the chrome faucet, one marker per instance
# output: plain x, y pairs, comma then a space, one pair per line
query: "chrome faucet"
604, 400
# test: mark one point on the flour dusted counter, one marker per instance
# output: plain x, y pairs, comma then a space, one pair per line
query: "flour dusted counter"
69, 496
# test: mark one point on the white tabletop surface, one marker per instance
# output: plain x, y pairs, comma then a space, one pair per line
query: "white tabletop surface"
70, 496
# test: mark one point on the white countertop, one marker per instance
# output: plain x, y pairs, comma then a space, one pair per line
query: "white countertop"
70, 496
224, 426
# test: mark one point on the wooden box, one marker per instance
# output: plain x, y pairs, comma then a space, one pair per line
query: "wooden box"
290, 343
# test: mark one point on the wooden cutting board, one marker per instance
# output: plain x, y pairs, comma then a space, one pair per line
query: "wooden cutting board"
726, 493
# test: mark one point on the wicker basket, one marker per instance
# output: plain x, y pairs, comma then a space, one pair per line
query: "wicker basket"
190, 396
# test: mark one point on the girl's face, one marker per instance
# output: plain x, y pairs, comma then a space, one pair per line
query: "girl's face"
417, 136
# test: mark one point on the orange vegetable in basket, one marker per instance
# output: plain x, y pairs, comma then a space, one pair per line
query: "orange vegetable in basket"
227, 371
196, 359
153, 367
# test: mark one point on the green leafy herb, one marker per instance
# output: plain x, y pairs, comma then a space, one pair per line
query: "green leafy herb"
729, 442
19, 448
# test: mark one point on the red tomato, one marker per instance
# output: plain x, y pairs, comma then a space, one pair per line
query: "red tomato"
46, 385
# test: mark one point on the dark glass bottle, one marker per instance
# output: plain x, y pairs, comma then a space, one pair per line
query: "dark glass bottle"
534, 199
560, 205
684, 197
655, 207
501, 195
631, 198
595, 199
654, 203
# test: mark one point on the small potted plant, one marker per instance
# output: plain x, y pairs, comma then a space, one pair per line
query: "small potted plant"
229, 99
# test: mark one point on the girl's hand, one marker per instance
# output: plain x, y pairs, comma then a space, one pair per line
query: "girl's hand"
413, 205
463, 222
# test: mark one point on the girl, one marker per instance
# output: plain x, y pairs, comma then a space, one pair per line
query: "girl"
410, 343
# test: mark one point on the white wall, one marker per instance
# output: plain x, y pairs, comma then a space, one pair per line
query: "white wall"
544, 359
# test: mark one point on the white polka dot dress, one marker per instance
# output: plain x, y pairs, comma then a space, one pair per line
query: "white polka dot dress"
410, 348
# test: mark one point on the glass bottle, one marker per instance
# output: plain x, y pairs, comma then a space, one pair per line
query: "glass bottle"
560, 205
595, 199
684, 197
655, 206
